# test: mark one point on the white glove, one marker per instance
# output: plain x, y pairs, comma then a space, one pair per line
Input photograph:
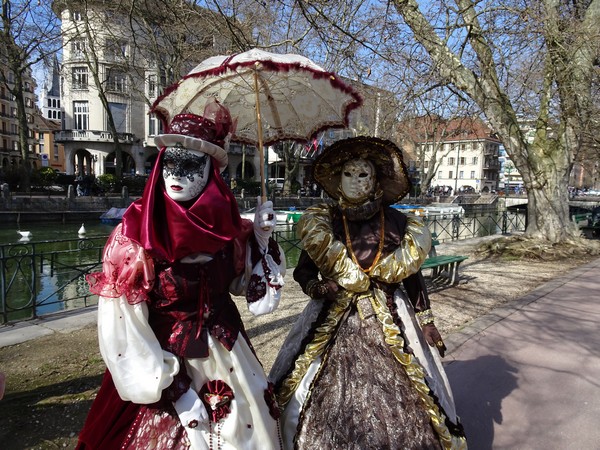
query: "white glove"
264, 222
191, 410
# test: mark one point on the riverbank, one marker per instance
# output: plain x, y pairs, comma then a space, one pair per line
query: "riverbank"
36, 208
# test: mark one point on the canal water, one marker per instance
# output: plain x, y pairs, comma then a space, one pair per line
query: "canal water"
51, 231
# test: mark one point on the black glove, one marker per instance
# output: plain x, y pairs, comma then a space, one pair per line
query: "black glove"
325, 289
433, 338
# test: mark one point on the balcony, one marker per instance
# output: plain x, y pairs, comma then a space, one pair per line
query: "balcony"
91, 136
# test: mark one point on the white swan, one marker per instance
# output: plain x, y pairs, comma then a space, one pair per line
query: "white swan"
25, 234
81, 230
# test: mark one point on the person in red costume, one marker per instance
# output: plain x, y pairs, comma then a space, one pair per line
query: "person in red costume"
181, 371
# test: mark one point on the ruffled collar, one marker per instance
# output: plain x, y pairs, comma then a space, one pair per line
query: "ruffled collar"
362, 211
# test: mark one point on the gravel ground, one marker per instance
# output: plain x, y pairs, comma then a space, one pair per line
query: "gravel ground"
52, 381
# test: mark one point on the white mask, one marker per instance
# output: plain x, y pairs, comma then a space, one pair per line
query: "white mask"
358, 180
185, 173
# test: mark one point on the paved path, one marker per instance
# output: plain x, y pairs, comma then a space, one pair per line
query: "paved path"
529, 377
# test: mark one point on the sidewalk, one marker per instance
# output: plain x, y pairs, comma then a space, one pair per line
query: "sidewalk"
56, 323
528, 376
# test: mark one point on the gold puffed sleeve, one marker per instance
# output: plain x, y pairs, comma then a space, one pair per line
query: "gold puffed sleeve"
328, 253
331, 257
408, 257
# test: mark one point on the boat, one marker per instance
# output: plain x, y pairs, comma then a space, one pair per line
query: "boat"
282, 216
113, 216
417, 210
438, 211
444, 211
293, 216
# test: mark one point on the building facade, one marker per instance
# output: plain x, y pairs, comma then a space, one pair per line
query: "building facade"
10, 149
89, 145
467, 157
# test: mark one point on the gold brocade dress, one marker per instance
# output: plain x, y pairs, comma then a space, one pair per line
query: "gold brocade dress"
357, 373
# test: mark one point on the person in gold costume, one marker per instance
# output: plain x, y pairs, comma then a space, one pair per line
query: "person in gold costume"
361, 367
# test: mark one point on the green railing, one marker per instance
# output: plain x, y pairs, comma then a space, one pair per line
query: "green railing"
40, 278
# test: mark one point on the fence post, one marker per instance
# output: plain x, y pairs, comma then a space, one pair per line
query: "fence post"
504, 222
455, 227
3, 286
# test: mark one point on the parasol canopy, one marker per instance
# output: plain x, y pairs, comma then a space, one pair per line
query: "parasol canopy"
294, 97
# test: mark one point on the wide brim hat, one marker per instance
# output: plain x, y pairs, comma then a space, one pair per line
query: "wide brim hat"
208, 133
386, 156
194, 144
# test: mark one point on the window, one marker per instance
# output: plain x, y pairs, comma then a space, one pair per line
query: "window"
440, 175
119, 115
462, 161
116, 50
425, 164
164, 78
76, 16
154, 125
80, 77
461, 174
451, 161
475, 160
116, 80
80, 115
152, 86
49, 103
472, 174
78, 48
450, 174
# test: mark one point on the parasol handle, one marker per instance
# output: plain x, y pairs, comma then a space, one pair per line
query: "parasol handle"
261, 151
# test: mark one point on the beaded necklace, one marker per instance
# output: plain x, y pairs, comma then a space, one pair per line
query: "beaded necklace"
379, 249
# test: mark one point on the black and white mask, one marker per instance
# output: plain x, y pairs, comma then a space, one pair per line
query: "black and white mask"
185, 173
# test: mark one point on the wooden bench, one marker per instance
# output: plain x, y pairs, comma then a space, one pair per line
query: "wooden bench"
584, 217
442, 266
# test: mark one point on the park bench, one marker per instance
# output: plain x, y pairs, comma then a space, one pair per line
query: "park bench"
591, 229
443, 267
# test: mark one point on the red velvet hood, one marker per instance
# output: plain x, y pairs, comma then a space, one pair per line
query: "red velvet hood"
170, 230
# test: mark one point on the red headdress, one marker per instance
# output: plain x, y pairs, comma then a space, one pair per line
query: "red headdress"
170, 230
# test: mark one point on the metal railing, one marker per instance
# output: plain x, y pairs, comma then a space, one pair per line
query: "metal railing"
43, 277
40, 278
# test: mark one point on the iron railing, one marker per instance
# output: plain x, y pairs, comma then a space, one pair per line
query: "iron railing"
39, 278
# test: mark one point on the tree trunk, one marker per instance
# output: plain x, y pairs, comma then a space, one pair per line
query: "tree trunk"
544, 164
